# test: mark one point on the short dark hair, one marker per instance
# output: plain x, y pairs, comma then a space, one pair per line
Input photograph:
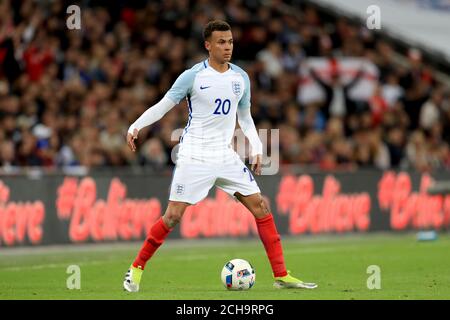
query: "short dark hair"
215, 25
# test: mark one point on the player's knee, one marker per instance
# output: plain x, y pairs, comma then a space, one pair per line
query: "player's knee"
173, 214
172, 218
263, 206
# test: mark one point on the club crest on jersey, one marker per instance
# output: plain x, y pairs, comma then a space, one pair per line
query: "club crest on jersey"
236, 86
179, 188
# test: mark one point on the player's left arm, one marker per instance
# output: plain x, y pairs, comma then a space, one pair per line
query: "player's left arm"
247, 125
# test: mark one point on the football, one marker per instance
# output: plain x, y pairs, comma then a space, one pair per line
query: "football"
238, 274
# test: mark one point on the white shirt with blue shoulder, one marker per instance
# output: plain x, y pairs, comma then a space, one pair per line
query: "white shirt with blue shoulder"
213, 98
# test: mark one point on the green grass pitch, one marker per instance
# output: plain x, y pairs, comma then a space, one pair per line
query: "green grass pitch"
191, 269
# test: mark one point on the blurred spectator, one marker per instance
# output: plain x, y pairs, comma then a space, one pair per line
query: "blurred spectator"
395, 143
337, 100
152, 154
391, 90
430, 112
7, 156
272, 59
67, 97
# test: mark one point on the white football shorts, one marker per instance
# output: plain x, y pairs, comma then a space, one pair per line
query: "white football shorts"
192, 180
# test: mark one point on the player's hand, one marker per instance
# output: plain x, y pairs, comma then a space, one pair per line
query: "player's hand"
257, 164
131, 138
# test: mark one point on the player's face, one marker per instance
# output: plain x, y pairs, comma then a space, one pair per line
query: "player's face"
220, 46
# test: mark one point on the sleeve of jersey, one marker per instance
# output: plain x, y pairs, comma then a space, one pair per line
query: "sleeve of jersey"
248, 127
152, 114
180, 89
182, 86
244, 103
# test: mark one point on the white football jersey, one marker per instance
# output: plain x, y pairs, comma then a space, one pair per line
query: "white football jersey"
213, 98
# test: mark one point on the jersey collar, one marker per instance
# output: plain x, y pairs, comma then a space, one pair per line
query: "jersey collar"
206, 65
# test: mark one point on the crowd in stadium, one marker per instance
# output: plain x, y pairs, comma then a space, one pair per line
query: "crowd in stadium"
67, 97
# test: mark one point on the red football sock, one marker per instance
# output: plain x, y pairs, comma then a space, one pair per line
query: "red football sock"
155, 238
272, 243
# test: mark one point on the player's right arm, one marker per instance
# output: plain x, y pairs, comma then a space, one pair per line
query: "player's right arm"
179, 90
150, 116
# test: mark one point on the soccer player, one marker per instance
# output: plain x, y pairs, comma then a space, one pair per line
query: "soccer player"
216, 91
